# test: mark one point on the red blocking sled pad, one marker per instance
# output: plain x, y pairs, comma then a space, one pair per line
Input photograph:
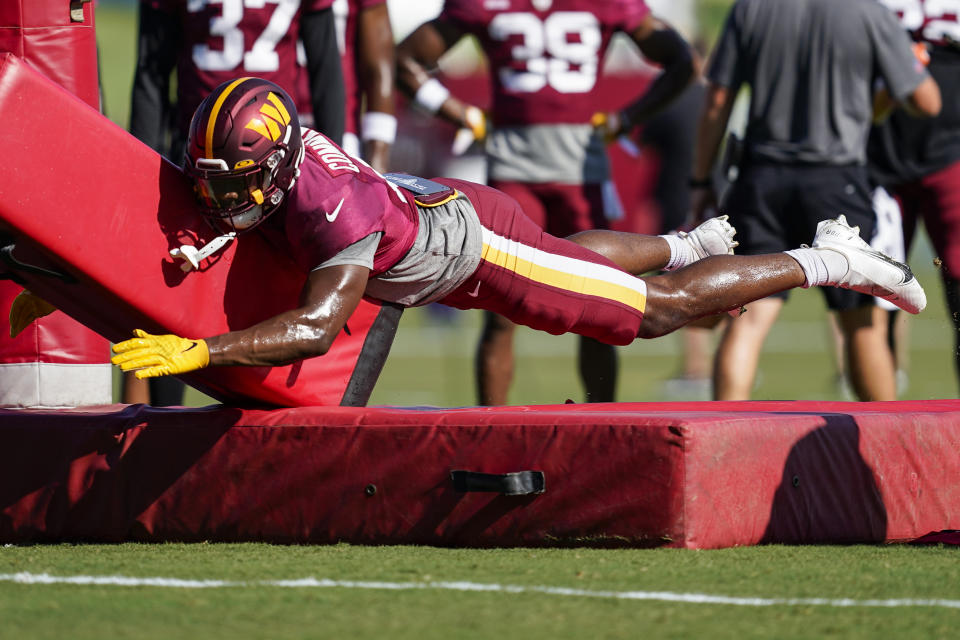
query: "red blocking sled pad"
99, 211
699, 475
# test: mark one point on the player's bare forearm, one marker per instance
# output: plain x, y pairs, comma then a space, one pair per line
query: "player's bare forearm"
713, 124
329, 297
377, 153
662, 45
418, 57
377, 59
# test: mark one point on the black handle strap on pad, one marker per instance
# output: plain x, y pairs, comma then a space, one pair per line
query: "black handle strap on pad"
6, 254
373, 355
519, 483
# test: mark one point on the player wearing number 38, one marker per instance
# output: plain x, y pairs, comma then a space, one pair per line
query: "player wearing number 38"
546, 143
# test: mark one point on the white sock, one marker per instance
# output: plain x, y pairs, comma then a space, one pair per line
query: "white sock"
820, 266
681, 253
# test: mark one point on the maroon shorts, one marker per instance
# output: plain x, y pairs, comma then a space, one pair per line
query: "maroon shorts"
544, 282
559, 209
935, 199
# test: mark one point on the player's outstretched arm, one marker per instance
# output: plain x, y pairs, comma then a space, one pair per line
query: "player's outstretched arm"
329, 296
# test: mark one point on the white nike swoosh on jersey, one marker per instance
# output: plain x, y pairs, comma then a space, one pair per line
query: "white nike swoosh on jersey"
475, 292
333, 216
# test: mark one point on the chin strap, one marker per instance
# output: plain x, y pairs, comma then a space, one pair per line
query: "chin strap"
192, 256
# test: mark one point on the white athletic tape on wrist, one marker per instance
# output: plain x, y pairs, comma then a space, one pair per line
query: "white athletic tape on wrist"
431, 95
376, 125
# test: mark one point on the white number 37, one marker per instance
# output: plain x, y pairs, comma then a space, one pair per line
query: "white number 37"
262, 56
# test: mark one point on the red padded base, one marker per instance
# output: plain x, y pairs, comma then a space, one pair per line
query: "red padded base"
689, 475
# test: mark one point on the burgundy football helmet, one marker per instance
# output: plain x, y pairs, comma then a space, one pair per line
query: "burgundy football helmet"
243, 152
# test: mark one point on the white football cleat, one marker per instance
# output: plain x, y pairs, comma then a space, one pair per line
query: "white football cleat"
714, 237
868, 270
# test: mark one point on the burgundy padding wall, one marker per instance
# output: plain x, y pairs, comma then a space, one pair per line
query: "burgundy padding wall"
698, 475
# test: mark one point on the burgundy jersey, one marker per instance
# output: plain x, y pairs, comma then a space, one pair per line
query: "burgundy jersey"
339, 200
545, 57
224, 39
933, 21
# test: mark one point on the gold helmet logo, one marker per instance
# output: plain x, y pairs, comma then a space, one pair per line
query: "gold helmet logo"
273, 119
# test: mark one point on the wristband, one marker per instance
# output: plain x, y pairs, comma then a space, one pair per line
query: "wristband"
431, 95
376, 125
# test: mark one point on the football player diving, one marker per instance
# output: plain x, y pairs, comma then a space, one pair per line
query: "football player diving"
410, 241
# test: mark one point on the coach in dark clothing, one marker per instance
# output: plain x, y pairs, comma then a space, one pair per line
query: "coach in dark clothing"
812, 67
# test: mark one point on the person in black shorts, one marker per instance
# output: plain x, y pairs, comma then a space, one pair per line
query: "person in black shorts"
812, 67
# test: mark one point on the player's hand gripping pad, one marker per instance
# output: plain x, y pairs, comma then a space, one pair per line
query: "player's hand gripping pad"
99, 212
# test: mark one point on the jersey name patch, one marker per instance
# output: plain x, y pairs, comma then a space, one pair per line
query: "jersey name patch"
332, 159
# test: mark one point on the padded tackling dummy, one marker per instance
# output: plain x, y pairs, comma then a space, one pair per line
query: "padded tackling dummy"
699, 475
56, 361
94, 213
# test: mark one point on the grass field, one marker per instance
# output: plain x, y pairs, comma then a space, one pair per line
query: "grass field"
247, 591
262, 591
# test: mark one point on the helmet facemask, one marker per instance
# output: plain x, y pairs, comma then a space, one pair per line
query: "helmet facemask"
238, 200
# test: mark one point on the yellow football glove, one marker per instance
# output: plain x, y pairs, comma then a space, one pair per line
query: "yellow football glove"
26, 308
608, 124
474, 129
162, 355
476, 121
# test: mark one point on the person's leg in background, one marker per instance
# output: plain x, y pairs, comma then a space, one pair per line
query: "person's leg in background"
738, 354
562, 210
134, 390
870, 360
888, 238
570, 209
495, 361
936, 198
157, 392
824, 192
757, 206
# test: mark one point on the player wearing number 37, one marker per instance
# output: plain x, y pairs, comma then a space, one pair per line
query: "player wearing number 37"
410, 241
212, 41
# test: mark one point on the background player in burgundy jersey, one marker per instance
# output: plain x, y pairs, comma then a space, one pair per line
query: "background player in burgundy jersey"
365, 40
918, 160
211, 41
409, 241
543, 148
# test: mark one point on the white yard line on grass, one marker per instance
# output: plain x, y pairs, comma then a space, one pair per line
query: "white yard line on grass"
312, 583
